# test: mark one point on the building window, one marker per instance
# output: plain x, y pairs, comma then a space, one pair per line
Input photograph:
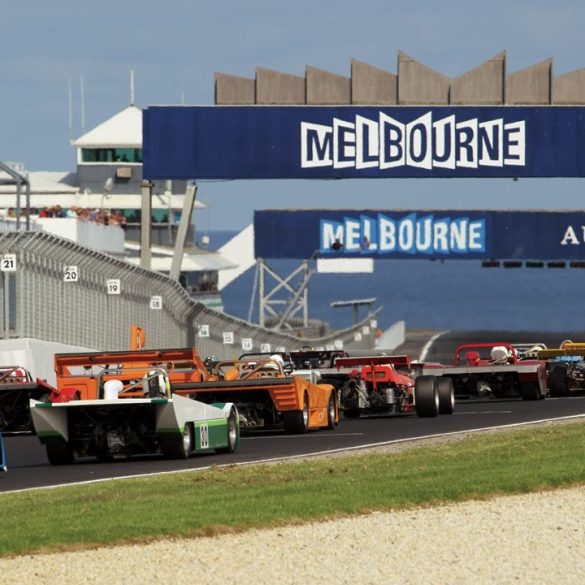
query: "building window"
111, 155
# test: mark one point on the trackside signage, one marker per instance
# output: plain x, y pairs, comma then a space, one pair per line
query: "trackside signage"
425, 142
431, 234
410, 234
321, 142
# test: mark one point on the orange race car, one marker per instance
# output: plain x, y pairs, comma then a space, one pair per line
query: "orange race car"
266, 395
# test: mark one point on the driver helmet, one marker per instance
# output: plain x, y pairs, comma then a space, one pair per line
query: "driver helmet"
499, 353
278, 359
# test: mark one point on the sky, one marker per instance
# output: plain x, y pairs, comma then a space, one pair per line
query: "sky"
175, 47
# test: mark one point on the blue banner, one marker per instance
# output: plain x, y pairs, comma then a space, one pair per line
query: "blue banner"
326, 142
425, 234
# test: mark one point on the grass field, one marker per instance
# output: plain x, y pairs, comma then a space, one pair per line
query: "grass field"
237, 498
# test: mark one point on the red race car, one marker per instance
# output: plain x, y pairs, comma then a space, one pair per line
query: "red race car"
495, 370
389, 385
17, 387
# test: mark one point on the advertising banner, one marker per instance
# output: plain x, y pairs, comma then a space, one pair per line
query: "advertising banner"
424, 234
335, 142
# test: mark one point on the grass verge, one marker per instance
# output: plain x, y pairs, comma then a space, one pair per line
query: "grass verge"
230, 499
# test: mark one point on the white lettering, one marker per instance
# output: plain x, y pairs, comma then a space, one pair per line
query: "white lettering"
406, 234
440, 240
570, 237
423, 143
352, 235
367, 143
515, 144
343, 144
387, 231
316, 145
476, 236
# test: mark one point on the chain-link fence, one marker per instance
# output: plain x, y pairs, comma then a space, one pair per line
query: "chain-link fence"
56, 290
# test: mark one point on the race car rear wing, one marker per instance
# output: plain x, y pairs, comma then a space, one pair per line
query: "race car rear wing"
176, 357
374, 360
568, 349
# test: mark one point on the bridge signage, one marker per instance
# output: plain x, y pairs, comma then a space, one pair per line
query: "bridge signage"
327, 142
430, 234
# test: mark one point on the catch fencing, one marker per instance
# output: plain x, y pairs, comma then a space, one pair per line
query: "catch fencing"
56, 290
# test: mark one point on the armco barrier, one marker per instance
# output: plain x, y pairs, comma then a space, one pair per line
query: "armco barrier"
56, 290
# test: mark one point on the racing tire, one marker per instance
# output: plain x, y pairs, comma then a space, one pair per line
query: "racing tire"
179, 447
426, 396
60, 453
446, 392
232, 433
297, 421
352, 413
557, 382
529, 391
104, 456
331, 412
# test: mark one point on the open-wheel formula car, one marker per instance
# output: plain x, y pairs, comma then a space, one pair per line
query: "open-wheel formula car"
494, 370
17, 387
268, 393
566, 369
123, 403
388, 385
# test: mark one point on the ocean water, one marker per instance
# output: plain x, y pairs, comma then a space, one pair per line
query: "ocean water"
442, 295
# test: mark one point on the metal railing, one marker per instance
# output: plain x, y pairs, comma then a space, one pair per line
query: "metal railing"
56, 290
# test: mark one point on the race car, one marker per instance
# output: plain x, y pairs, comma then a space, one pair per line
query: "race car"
494, 370
124, 404
389, 385
316, 366
566, 368
17, 387
268, 393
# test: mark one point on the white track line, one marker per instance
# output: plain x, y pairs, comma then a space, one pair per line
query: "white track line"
428, 345
299, 456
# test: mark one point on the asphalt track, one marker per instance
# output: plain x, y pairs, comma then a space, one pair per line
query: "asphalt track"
28, 466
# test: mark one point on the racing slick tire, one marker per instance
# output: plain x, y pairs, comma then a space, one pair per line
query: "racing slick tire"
426, 396
352, 413
103, 455
529, 391
179, 447
297, 421
60, 453
232, 433
331, 411
446, 392
557, 381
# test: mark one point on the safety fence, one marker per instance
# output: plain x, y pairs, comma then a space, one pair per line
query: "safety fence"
56, 290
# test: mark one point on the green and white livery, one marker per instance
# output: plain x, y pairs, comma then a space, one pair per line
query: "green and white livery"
175, 426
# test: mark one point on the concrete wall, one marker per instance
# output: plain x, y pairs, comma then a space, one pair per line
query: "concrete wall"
370, 85
234, 90
105, 238
92, 177
36, 355
569, 89
531, 86
415, 84
483, 85
325, 88
273, 87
